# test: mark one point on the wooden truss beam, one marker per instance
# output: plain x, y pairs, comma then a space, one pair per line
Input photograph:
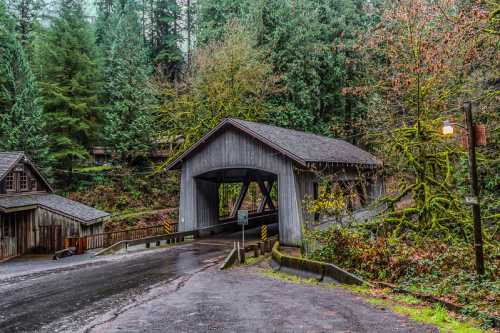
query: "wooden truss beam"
241, 197
266, 192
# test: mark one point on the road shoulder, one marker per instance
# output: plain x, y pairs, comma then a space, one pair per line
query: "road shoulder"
245, 300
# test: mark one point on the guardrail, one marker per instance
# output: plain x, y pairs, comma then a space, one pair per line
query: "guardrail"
107, 239
180, 236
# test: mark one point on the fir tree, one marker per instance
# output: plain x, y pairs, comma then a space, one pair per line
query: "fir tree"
26, 14
21, 112
128, 92
213, 16
66, 61
165, 38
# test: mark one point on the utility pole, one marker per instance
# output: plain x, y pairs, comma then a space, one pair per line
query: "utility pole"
474, 188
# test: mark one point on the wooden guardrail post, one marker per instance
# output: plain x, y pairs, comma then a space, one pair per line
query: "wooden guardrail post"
268, 245
262, 248
242, 255
256, 251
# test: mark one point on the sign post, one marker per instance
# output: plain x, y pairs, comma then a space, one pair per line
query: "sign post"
243, 221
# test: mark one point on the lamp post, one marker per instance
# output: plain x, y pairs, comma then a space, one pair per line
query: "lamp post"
473, 200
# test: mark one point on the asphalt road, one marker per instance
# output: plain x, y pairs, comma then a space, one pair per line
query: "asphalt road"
180, 289
244, 300
67, 298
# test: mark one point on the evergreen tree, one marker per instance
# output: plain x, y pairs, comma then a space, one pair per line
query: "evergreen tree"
26, 14
21, 113
128, 92
165, 38
105, 10
213, 16
66, 62
310, 45
160, 25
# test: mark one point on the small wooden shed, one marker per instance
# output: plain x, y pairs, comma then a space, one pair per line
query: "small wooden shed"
243, 151
32, 217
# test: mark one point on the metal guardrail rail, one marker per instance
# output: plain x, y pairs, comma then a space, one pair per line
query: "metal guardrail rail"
178, 237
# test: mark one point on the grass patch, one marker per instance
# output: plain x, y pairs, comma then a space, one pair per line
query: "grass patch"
408, 299
133, 214
407, 305
95, 169
252, 260
438, 316
288, 277
420, 311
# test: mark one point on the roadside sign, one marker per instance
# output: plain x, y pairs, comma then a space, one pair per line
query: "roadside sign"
243, 217
243, 221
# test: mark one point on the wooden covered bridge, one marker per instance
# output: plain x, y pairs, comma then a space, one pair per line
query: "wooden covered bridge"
238, 151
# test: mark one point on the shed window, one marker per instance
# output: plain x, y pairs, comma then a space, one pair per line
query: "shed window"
9, 182
23, 181
33, 184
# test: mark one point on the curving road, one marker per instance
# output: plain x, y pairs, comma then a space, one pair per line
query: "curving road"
180, 289
67, 297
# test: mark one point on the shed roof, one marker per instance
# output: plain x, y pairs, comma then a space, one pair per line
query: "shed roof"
56, 203
303, 147
9, 159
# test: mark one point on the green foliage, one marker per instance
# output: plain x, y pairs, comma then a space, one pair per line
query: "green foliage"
26, 14
128, 93
67, 68
421, 82
22, 126
213, 17
124, 189
430, 266
436, 209
310, 45
231, 79
437, 316
165, 38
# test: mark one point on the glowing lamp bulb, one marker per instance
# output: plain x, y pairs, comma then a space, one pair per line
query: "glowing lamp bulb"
447, 128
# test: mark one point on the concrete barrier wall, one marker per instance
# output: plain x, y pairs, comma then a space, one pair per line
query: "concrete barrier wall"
321, 269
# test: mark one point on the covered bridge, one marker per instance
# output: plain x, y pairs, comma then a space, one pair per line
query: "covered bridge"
238, 151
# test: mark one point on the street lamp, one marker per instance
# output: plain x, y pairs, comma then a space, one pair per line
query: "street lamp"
473, 200
447, 128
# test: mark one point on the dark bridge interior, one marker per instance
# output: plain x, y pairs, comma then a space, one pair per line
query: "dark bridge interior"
266, 212
239, 175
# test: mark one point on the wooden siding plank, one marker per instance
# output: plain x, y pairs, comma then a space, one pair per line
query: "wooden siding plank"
233, 149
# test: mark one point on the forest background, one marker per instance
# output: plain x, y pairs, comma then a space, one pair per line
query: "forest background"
138, 76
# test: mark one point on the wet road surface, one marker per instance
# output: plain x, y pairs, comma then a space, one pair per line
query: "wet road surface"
62, 300
244, 300
180, 289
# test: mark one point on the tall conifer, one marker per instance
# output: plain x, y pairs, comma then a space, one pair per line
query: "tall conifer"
21, 112
66, 61
128, 92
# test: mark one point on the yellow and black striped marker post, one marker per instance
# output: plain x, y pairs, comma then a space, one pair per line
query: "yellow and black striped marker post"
169, 228
263, 232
